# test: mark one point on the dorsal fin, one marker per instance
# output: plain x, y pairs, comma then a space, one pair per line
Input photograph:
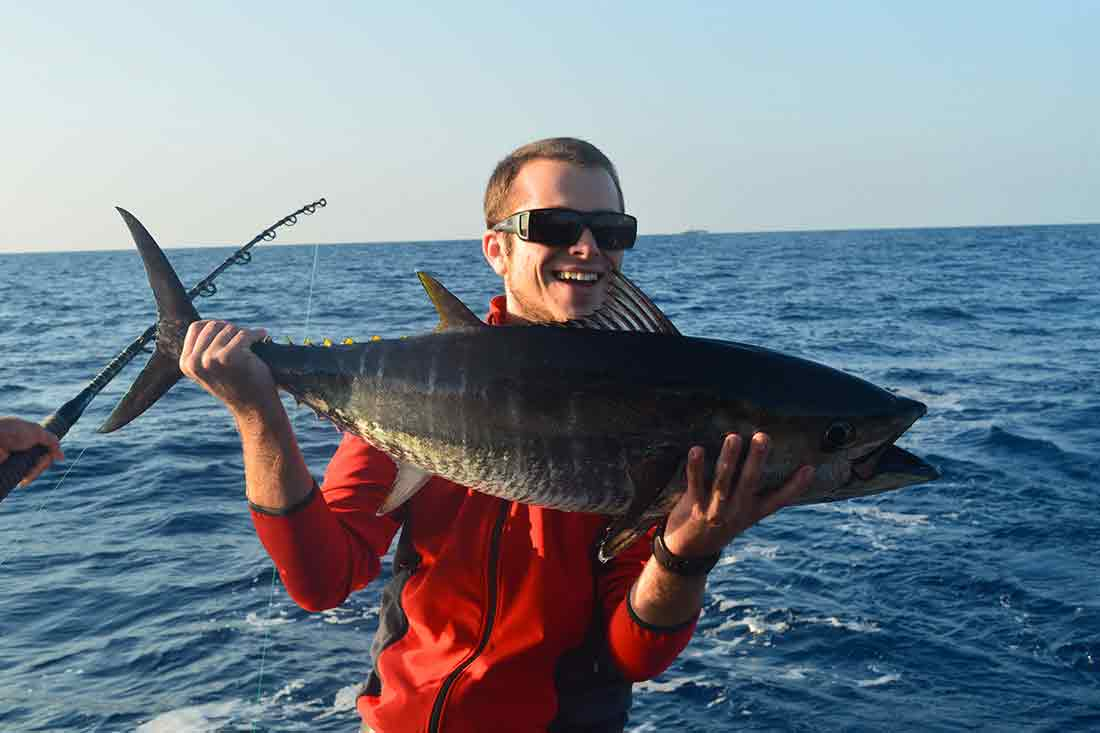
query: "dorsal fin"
453, 313
626, 308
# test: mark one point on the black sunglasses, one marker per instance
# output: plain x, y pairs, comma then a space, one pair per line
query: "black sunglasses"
563, 227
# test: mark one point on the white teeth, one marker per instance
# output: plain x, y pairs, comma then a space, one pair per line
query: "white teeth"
585, 277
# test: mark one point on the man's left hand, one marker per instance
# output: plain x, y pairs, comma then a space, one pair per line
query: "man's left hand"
706, 519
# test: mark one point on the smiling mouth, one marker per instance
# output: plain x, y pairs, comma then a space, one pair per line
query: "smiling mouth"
580, 278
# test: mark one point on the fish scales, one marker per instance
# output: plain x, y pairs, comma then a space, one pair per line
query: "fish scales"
559, 415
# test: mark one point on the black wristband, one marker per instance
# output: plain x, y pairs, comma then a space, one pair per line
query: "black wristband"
690, 567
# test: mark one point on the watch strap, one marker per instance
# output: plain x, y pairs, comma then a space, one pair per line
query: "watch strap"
686, 566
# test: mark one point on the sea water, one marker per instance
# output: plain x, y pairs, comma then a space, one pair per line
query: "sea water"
136, 596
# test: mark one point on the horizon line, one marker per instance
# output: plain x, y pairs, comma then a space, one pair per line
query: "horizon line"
700, 231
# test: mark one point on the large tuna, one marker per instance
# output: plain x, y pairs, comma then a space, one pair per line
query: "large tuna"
594, 418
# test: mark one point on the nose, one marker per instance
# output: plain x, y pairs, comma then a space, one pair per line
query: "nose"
586, 246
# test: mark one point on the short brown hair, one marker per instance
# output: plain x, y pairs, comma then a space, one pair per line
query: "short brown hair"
567, 149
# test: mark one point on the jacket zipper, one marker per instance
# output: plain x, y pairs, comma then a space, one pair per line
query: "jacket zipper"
494, 561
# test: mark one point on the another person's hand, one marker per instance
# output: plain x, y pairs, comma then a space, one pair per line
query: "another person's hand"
707, 518
218, 356
19, 435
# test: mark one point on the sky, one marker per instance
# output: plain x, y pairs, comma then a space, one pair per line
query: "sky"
211, 120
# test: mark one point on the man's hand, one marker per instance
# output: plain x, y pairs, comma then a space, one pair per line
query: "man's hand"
20, 435
706, 519
218, 356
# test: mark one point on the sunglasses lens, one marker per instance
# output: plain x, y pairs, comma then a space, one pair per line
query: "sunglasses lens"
555, 227
563, 227
614, 231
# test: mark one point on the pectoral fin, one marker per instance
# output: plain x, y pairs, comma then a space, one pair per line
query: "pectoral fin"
650, 477
410, 480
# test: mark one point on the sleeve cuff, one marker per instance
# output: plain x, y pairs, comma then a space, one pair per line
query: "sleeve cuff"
655, 628
286, 511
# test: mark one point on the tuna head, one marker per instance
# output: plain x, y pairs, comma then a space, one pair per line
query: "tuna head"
842, 425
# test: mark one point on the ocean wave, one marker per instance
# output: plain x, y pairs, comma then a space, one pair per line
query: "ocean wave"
942, 314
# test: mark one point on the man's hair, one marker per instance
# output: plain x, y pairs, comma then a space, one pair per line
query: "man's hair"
566, 149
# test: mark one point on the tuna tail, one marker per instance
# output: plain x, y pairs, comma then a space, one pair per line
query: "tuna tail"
174, 314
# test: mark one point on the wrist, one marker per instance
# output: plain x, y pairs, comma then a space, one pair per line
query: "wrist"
687, 566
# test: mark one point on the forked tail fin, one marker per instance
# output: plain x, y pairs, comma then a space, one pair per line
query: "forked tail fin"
174, 314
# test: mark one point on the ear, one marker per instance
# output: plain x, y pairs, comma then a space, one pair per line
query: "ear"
492, 246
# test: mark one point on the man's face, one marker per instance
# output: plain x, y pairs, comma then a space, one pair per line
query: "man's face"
534, 283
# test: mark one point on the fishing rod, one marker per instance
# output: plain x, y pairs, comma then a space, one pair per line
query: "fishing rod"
20, 463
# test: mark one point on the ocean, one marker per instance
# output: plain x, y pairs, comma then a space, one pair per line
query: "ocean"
137, 598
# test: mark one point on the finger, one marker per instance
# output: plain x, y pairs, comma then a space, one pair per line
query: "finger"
727, 464
189, 339
201, 350
246, 337
49, 441
37, 470
792, 488
222, 338
695, 478
4, 454
749, 483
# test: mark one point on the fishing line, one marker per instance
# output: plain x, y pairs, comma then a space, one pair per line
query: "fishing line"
312, 278
15, 545
264, 643
266, 639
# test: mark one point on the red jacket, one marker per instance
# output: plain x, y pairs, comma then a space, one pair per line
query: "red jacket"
497, 616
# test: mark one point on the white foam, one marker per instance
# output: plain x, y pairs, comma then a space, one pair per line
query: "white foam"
674, 684
877, 681
346, 697
863, 627
756, 625
729, 604
287, 692
764, 551
796, 673
874, 513
346, 615
256, 621
343, 703
208, 718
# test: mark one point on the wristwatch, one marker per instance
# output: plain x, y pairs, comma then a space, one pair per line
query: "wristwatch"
687, 566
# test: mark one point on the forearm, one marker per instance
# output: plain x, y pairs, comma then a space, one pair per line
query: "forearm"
276, 475
664, 599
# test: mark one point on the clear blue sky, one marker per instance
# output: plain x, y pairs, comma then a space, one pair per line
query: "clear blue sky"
210, 120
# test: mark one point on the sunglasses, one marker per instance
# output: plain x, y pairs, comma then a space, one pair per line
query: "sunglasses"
563, 227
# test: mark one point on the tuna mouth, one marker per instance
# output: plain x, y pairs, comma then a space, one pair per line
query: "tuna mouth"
864, 468
578, 277
891, 467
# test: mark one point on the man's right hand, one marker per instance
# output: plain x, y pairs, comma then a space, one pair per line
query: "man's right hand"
218, 356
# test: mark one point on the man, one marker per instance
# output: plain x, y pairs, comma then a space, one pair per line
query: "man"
498, 616
17, 434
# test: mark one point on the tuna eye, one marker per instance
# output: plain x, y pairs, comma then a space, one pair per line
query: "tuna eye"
838, 435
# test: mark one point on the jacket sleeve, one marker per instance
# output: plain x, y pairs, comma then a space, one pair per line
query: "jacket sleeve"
640, 650
333, 543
